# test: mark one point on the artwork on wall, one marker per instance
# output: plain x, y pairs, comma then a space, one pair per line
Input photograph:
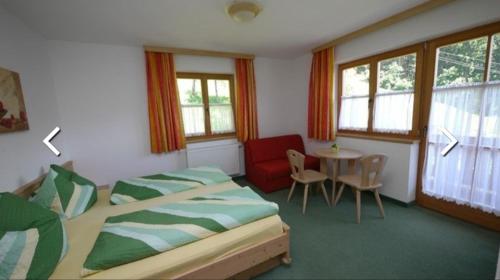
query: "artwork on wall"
12, 109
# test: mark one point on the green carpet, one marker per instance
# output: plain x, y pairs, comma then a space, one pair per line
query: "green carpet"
410, 243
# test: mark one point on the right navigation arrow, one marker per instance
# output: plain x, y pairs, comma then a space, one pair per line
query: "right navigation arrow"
451, 145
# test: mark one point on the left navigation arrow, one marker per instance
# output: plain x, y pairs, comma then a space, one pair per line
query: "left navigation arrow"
49, 137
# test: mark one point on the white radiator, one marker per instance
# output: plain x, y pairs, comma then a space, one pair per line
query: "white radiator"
224, 154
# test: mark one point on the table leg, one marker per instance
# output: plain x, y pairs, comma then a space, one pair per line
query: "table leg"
351, 165
335, 168
323, 166
351, 169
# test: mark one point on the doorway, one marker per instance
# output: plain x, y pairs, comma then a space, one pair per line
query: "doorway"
462, 99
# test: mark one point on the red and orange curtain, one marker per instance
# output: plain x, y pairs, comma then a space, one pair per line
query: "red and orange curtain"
165, 120
320, 123
246, 106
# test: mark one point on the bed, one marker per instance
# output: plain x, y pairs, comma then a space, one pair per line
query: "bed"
242, 252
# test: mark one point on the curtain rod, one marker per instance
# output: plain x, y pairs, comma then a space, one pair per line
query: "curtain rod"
198, 52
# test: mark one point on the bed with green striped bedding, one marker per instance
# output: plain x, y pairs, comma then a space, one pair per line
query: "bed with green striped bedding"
137, 235
32, 239
151, 186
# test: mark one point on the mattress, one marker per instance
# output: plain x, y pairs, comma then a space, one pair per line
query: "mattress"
83, 230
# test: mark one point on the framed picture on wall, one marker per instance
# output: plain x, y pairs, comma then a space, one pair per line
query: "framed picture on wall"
13, 115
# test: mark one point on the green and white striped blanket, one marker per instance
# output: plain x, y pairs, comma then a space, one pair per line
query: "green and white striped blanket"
137, 235
32, 239
147, 187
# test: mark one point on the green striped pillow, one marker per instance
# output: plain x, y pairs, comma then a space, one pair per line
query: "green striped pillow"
32, 239
66, 192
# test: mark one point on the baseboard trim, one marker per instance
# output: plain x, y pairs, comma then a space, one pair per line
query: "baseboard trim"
237, 177
399, 202
393, 200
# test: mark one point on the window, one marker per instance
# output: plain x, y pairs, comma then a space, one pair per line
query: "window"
207, 105
377, 94
465, 99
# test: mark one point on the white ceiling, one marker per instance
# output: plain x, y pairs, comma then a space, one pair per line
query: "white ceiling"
284, 29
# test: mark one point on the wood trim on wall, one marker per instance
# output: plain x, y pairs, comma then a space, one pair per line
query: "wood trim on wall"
195, 52
384, 138
463, 212
411, 12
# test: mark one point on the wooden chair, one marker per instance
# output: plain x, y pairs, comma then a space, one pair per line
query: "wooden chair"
369, 180
305, 177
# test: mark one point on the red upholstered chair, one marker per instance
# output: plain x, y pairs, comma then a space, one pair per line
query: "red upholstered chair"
266, 162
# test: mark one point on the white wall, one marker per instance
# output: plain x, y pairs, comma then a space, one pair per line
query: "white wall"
280, 110
101, 90
400, 175
23, 156
204, 64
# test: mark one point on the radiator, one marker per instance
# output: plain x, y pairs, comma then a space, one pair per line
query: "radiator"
224, 155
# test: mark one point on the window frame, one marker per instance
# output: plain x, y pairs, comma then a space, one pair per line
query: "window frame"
373, 61
464, 212
203, 77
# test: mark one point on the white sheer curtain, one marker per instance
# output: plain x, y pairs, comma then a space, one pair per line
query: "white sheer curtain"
221, 118
469, 174
354, 113
486, 188
193, 117
393, 112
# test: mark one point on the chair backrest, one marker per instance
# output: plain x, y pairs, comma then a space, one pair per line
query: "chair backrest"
371, 169
296, 161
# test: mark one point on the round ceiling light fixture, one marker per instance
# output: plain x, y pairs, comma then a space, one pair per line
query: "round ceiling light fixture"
243, 11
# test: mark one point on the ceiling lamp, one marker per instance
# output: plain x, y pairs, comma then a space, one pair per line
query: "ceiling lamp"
243, 11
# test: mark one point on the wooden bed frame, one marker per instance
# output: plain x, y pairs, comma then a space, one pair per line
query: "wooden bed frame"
242, 264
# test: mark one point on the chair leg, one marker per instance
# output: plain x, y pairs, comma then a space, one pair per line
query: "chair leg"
291, 191
379, 202
339, 194
325, 195
358, 206
306, 189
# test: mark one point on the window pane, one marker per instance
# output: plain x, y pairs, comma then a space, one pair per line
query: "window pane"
190, 91
397, 74
393, 110
393, 113
221, 111
461, 63
218, 92
355, 81
191, 99
355, 92
495, 58
354, 113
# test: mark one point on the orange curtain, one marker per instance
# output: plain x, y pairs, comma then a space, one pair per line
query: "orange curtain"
246, 107
320, 115
165, 120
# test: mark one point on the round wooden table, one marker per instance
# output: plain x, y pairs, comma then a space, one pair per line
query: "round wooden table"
327, 154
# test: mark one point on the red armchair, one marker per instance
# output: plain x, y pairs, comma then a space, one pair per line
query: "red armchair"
266, 163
